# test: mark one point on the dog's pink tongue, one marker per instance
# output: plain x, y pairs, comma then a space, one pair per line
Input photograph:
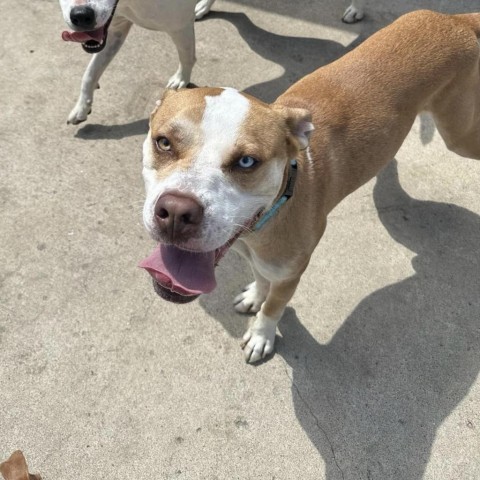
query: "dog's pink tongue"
83, 37
184, 272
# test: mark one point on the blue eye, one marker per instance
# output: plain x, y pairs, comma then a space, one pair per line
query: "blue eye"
247, 162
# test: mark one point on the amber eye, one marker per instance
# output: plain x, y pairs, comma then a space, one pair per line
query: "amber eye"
163, 143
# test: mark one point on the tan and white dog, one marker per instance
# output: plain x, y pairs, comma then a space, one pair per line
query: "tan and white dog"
101, 26
221, 166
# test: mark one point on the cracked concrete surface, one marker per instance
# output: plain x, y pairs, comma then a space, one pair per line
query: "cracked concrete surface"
376, 368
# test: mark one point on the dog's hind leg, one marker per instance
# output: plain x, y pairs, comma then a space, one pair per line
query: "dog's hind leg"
117, 33
456, 110
185, 42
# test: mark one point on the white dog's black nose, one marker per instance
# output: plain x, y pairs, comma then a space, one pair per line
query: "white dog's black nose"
83, 16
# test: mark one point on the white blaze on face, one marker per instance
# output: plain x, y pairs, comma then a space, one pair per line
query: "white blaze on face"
226, 207
221, 121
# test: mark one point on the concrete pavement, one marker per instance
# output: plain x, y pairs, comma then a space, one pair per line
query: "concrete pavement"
376, 371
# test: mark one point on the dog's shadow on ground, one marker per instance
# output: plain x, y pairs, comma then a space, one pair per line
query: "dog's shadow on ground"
93, 131
300, 56
297, 55
372, 399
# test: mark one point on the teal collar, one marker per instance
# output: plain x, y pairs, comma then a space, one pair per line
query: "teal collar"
287, 193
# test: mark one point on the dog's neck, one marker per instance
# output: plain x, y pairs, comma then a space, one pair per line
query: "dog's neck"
284, 197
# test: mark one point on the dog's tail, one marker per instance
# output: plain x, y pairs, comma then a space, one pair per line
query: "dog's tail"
472, 20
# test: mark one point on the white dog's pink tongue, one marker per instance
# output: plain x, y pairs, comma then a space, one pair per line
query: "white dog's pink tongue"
184, 272
83, 37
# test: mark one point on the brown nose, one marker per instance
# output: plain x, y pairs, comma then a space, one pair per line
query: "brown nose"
178, 216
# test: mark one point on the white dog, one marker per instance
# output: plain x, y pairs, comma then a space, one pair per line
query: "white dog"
101, 26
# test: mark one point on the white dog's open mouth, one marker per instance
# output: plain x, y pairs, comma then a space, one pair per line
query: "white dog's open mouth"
92, 41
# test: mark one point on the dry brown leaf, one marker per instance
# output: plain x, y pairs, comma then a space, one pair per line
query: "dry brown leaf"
15, 468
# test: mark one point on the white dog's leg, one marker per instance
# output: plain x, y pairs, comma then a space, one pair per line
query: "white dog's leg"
355, 12
185, 42
202, 8
117, 33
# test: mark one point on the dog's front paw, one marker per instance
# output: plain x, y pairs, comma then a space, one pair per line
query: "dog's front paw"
177, 81
259, 340
352, 15
202, 8
80, 113
250, 300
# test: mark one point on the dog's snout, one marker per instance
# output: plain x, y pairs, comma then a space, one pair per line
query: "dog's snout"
83, 16
178, 216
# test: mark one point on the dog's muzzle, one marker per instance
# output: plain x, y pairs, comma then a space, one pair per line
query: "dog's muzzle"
83, 17
181, 275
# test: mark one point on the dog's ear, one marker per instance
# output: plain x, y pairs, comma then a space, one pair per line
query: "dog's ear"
167, 93
154, 111
299, 124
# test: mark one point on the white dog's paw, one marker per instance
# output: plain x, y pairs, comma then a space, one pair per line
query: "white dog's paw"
80, 113
352, 15
259, 340
202, 8
178, 81
250, 300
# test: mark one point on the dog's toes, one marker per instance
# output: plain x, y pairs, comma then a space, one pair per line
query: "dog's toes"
243, 307
75, 121
259, 339
352, 15
176, 82
249, 300
201, 9
200, 13
246, 306
256, 346
78, 115
240, 304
